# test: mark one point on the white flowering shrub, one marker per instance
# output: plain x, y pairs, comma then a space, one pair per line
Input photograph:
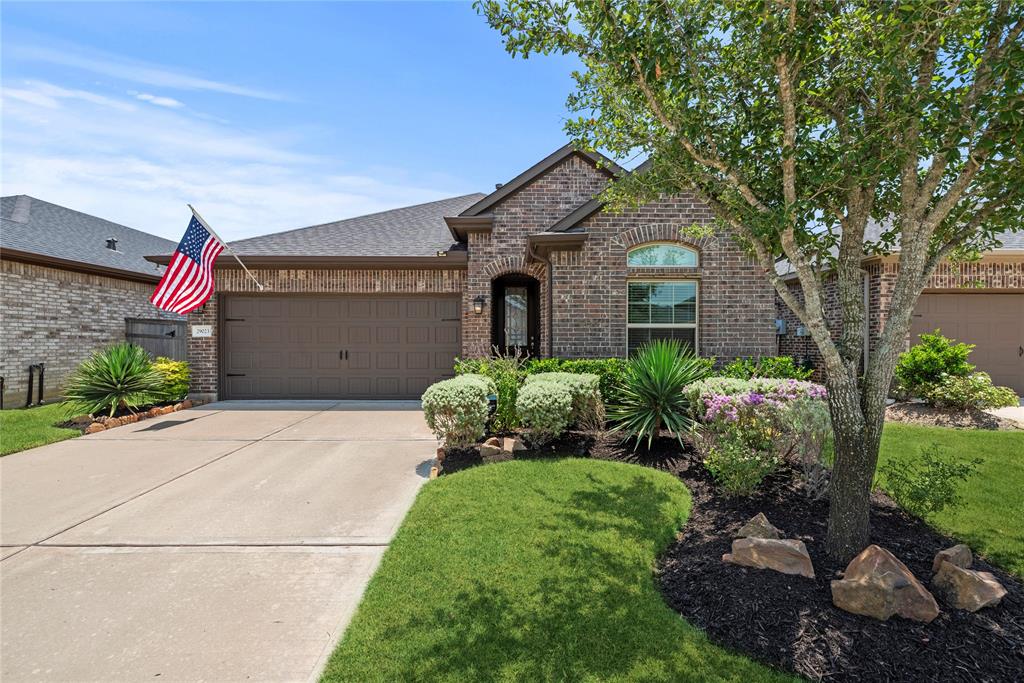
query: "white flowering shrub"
545, 410
456, 409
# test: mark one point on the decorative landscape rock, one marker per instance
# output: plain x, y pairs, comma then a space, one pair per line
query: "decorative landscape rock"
967, 589
513, 444
94, 427
788, 556
878, 585
758, 526
959, 555
490, 447
439, 454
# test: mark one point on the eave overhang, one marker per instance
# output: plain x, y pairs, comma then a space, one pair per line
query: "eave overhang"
76, 266
543, 243
462, 226
450, 260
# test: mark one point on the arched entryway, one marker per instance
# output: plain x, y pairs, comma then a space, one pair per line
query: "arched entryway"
515, 318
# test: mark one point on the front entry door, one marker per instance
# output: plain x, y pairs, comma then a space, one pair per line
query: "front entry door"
516, 315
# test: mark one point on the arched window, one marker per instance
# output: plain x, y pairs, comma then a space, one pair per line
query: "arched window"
663, 255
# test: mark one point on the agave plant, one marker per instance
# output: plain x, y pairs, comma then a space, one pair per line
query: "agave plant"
652, 396
121, 375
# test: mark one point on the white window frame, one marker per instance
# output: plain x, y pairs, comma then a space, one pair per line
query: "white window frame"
677, 245
695, 325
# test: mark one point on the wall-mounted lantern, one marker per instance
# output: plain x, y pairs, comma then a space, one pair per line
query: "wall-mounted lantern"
478, 304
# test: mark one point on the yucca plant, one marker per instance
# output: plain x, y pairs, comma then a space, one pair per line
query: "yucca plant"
651, 395
121, 375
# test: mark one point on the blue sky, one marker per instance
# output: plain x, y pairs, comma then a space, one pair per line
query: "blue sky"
266, 116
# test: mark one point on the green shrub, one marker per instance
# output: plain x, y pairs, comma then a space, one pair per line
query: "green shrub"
652, 396
610, 371
737, 468
809, 427
545, 409
927, 486
176, 376
587, 406
456, 409
777, 367
973, 391
925, 363
121, 376
507, 373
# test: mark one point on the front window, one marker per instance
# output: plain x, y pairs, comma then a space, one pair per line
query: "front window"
661, 310
663, 255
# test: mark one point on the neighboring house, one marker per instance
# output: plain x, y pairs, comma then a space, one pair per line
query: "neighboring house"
980, 303
380, 306
68, 280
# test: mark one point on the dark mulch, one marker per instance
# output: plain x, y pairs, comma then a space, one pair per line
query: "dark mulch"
930, 416
790, 622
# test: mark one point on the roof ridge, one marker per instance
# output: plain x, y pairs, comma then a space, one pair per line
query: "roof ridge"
360, 216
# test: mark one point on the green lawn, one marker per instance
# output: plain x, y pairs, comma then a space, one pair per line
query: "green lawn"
991, 519
23, 428
533, 571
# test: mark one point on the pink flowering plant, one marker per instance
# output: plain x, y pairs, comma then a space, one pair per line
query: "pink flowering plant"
749, 426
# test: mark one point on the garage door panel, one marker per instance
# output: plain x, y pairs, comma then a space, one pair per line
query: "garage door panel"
417, 360
360, 309
359, 335
388, 335
295, 347
994, 323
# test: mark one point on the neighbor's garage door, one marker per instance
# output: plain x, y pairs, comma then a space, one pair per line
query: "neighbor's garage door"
993, 322
337, 346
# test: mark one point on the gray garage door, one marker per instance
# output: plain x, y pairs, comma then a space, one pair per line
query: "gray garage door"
346, 347
993, 322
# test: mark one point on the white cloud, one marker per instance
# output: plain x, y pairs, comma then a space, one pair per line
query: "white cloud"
158, 100
140, 165
133, 71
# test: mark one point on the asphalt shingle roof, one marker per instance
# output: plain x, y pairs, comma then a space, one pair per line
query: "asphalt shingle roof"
417, 230
31, 225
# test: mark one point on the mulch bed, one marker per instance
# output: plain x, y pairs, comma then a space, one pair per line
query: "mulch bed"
789, 622
930, 416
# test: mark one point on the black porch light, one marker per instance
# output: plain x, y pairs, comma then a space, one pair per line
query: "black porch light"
478, 304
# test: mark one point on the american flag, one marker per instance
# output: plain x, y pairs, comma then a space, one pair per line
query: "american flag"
188, 281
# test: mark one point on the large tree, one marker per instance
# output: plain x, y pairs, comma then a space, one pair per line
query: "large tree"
798, 123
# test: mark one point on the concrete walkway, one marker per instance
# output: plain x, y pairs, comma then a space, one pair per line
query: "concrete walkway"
227, 542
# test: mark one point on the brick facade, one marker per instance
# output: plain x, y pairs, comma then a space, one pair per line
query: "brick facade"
736, 307
992, 273
203, 352
59, 317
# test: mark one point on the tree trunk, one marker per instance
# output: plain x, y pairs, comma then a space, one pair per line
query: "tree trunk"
857, 427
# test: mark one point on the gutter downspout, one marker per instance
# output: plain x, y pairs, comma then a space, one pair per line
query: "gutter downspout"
550, 297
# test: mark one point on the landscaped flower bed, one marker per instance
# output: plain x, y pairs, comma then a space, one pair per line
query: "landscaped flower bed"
760, 447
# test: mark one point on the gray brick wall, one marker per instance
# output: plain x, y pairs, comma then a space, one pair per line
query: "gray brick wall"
59, 317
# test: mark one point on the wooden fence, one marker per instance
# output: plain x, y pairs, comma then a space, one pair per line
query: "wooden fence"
159, 337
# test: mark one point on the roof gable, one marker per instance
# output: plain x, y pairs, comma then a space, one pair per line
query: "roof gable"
599, 161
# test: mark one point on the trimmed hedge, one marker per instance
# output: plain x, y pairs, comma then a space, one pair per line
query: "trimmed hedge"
456, 409
545, 410
587, 407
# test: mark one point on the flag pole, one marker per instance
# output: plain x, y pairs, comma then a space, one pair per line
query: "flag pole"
229, 250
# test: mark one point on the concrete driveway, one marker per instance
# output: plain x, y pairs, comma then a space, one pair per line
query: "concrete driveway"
227, 542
